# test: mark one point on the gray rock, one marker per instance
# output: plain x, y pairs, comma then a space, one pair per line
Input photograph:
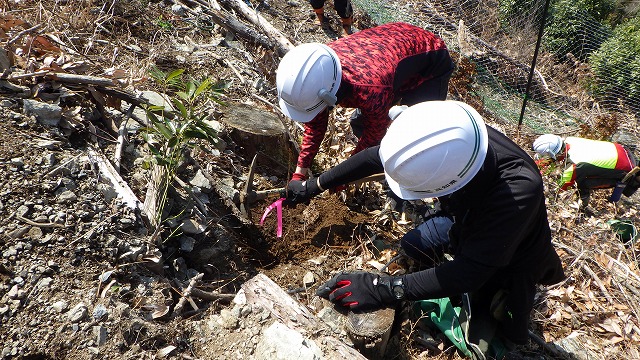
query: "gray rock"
18, 233
228, 319
308, 279
101, 335
6, 103
49, 144
99, 312
78, 313
49, 159
60, 306
67, 197
46, 114
333, 318
178, 10
187, 243
23, 210
45, 282
13, 293
17, 162
280, 342
202, 182
574, 346
35, 233
191, 226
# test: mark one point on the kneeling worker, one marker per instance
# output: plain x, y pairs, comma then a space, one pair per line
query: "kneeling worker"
499, 236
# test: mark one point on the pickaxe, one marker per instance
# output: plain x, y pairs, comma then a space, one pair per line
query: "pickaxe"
248, 196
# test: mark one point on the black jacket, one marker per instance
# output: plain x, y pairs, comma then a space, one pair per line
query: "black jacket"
500, 238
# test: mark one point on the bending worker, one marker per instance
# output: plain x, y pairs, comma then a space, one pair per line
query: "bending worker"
500, 238
370, 70
589, 164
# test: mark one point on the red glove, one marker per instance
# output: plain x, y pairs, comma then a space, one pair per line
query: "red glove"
299, 177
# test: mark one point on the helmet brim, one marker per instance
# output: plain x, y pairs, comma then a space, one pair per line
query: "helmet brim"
297, 115
404, 193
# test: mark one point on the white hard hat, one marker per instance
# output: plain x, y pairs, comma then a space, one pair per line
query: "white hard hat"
433, 149
307, 80
547, 145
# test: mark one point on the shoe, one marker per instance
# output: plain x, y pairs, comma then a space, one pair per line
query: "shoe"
346, 26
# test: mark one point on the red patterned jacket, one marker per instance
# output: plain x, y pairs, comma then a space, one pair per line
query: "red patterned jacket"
382, 66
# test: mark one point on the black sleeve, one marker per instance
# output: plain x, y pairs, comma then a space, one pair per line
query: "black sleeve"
366, 162
451, 278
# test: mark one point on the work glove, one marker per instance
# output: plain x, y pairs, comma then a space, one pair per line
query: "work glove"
301, 191
362, 290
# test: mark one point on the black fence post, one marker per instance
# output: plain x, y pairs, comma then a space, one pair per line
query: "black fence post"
533, 62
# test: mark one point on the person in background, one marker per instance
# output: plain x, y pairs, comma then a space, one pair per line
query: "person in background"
496, 226
344, 10
371, 70
588, 164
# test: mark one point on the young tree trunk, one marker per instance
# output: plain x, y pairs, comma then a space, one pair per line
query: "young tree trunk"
154, 200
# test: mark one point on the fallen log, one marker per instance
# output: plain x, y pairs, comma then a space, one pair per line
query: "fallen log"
260, 291
284, 45
229, 22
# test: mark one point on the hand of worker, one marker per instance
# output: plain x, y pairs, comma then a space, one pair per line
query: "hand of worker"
301, 191
362, 290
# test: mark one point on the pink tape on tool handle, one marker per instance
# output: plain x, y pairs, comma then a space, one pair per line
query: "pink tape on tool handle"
278, 206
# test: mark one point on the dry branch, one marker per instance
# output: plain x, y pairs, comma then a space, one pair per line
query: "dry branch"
120, 186
212, 296
256, 19
38, 224
595, 277
186, 295
228, 21
21, 33
82, 79
199, 204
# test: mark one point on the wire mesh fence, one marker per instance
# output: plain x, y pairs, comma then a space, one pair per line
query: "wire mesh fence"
572, 88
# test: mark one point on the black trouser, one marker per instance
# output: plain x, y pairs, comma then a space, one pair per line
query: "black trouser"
343, 7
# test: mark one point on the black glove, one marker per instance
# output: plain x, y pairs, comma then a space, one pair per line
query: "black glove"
362, 290
301, 191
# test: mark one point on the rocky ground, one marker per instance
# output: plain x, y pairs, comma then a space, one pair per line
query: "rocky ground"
85, 274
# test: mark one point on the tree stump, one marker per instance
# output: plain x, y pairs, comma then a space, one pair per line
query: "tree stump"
258, 130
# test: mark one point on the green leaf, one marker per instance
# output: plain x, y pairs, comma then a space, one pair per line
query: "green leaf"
190, 90
196, 134
204, 86
175, 74
151, 116
154, 150
164, 130
157, 74
172, 142
183, 110
183, 95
